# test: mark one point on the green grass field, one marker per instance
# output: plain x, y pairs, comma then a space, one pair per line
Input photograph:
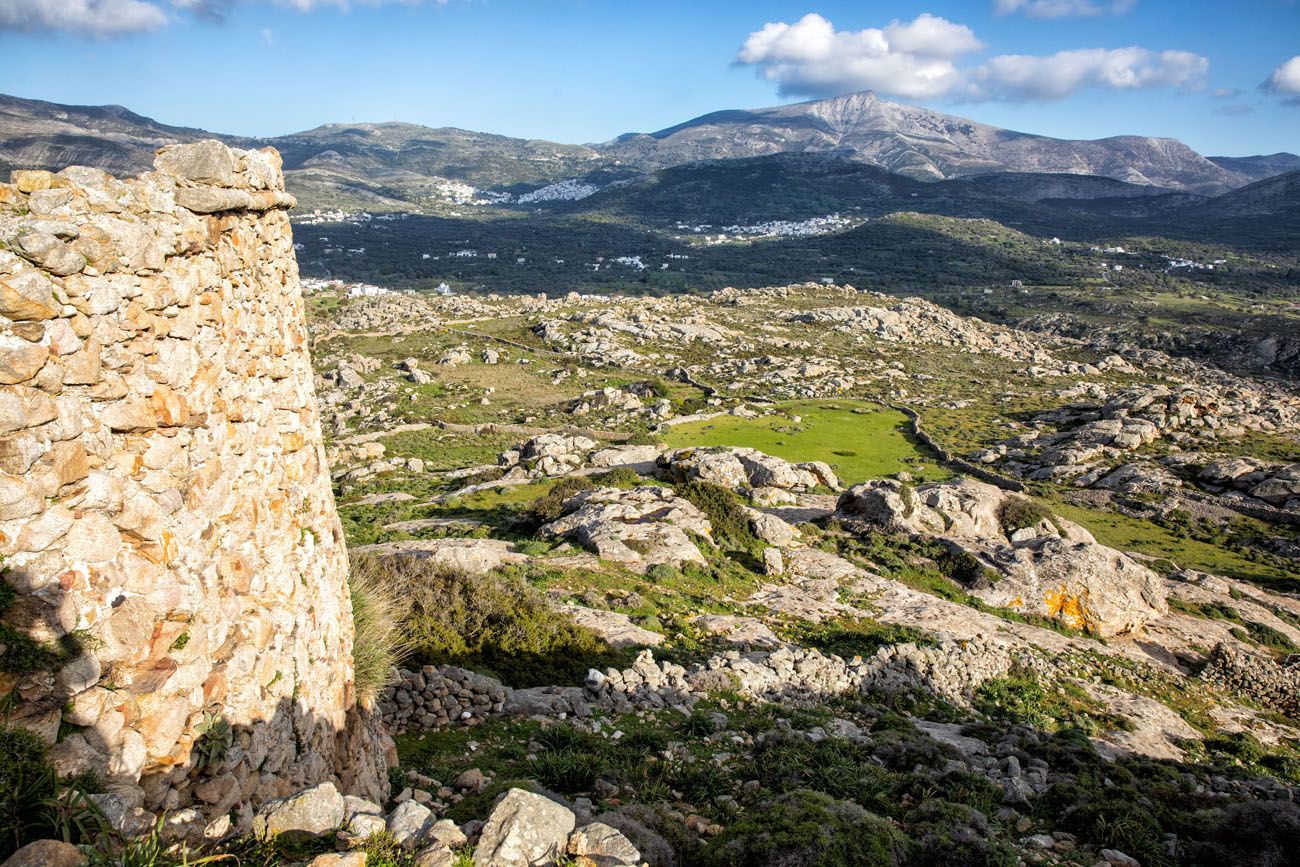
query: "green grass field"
861, 440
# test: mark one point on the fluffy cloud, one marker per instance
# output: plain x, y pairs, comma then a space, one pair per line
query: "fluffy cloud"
1060, 8
1285, 80
105, 18
86, 17
812, 58
1028, 77
920, 59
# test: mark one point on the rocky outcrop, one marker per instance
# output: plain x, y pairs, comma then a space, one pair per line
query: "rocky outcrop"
551, 454
454, 555
745, 469
1048, 566
1276, 484
166, 517
644, 526
524, 829
1089, 435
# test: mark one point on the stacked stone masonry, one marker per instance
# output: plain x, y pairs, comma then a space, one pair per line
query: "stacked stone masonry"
165, 506
438, 697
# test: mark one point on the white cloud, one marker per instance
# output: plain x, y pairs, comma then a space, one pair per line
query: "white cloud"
104, 18
268, 36
1061, 8
1019, 77
920, 59
812, 58
1285, 80
85, 17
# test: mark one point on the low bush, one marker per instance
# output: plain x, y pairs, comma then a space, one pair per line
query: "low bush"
847, 637
496, 622
1253, 834
1017, 513
726, 512
35, 803
808, 829
620, 477
550, 505
964, 568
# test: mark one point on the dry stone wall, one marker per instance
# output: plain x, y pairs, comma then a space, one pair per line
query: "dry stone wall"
180, 620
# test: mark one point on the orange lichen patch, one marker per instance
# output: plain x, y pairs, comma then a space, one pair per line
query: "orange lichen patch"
1016, 603
1066, 607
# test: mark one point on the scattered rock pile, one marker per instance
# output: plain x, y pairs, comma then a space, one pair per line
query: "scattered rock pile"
1276, 484
1255, 675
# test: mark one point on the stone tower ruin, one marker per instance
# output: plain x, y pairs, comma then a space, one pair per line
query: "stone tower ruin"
178, 620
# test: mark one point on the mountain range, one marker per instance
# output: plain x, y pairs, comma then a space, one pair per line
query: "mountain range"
400, 166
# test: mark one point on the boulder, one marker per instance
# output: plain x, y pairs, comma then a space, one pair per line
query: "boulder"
615, 628
312, 812
411, 824
204, 162
1054, 568
339, 859
771, 529
524, 830
463, 556
599, 845
46, 853
641, 527
740, 468
436, 854
966, 508
716, 466
1084, 585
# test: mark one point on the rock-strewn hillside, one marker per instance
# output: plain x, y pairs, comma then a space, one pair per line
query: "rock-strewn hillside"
774, 601
806, 574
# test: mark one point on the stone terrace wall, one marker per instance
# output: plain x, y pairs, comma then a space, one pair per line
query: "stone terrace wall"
165, 508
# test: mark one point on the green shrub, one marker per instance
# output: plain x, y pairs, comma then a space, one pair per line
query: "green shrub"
726, 512
621, 477
963, 567
493, 621
1017, 513
25, 780
700, 782
847, 637
1240, 746
955, 835
566, 771
1253, 834
378, 644
808, 829
550, 505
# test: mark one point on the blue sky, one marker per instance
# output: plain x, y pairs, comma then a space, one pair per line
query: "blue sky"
587, 70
